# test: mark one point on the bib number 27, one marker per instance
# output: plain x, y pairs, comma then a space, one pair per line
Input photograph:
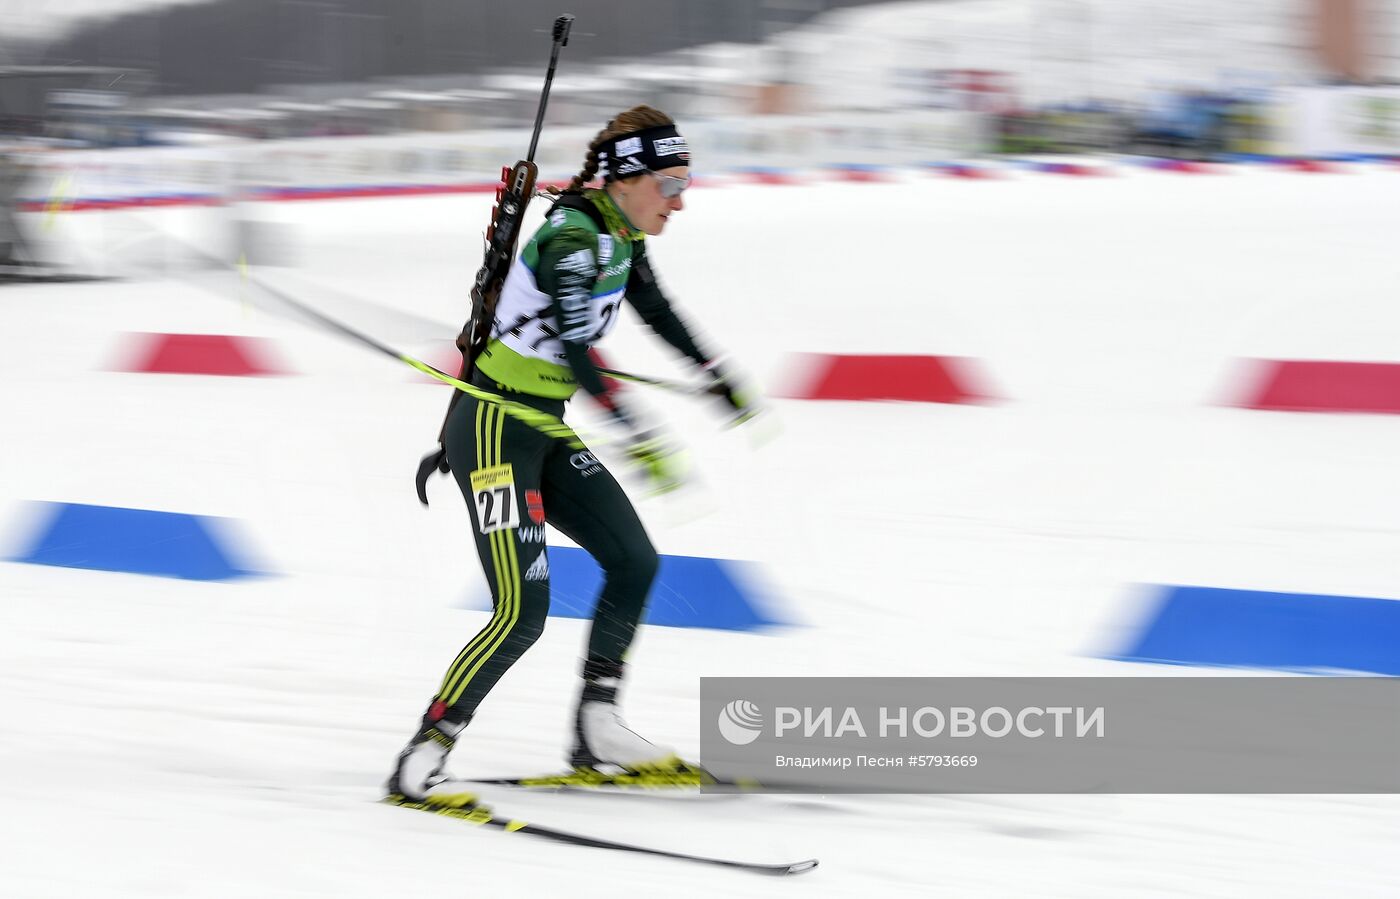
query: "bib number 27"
493, 490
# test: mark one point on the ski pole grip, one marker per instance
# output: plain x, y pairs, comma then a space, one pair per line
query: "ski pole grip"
561, 29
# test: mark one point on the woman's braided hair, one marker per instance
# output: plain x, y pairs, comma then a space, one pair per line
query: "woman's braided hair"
634, 119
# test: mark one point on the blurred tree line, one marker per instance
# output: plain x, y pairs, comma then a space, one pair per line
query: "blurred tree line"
238, 46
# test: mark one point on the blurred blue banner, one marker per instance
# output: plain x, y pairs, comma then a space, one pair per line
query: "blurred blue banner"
690, 591
137, 541
1285, 631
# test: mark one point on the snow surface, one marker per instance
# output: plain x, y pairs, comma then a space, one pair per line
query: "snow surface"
166, 738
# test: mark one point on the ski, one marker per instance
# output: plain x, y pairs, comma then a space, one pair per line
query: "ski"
683, 777
483, 816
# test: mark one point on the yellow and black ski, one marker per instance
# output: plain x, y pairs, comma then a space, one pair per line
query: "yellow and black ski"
682, 776
469, 810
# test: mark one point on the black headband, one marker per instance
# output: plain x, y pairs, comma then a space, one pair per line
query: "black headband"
628, 155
